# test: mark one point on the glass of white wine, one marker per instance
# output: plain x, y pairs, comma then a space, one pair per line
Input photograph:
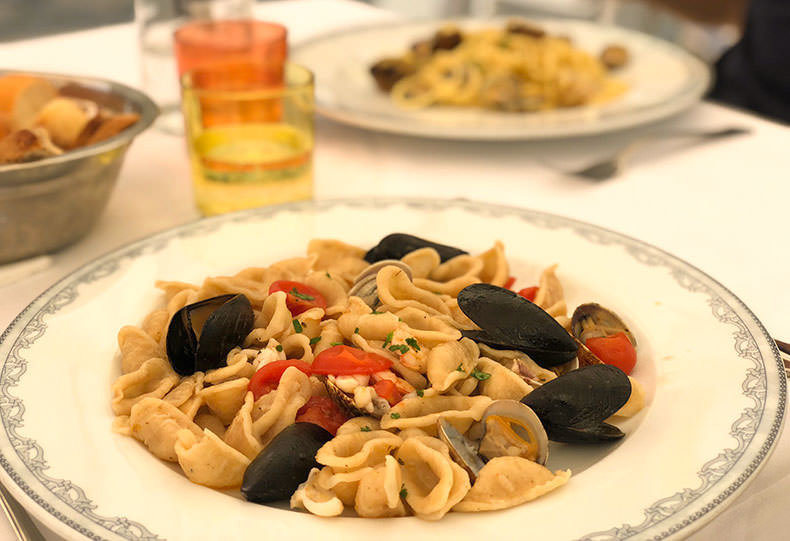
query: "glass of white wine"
250, 145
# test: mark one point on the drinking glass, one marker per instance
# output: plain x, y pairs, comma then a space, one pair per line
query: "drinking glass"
156, 20
250, 141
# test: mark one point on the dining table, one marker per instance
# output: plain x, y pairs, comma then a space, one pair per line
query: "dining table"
720, 205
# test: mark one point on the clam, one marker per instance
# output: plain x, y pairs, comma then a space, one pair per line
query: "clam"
507, 428
284, 464
592, 320
200, 335
397, 245
572, 407
509, 321
364, 285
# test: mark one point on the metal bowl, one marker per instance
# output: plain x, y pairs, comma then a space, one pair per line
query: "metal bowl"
50, 203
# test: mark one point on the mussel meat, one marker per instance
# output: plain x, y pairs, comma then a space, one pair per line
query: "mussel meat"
284, 464
364, 285
397, 245
509, 321
507, 428
572, 407
200, 335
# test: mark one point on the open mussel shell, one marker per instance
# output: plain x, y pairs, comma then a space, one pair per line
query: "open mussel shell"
573, 406
200, 335
379, 407
364, 285
591, 320
509, 321
397, 245
284, 464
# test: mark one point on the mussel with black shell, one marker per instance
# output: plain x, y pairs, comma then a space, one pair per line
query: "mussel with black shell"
573, 407
201, 334
509, 321
397, 245
284, 464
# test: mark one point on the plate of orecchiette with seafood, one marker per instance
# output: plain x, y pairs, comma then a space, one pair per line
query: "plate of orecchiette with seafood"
454, 368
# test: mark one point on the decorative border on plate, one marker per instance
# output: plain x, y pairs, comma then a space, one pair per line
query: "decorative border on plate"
65, 292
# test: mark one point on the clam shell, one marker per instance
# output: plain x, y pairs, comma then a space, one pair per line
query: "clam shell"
525, 426
365, 283
593, 320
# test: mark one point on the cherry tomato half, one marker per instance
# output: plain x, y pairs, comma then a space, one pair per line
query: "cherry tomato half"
268, 376
301, 297
509, 282
348, 361
529, 293
616, 350
387, 390
322, 411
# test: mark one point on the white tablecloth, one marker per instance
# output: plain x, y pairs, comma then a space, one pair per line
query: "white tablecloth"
718, 205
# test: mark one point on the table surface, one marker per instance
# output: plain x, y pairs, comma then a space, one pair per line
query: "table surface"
717, 205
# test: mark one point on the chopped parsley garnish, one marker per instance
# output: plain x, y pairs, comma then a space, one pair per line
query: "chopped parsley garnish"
403, 492
413, 343
387, 340
279, 347
480, 376
335, 343
403, 348
356, 330
460, 368
295, 292
420, 393
395, 415
365, 429
315, 340
297, 325
376, 312
328, 275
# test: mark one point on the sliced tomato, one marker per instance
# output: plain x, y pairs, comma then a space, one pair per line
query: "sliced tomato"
529, 293
268, 376
301, 297
322, 411
616, 350
387, 390
348, 361
509, 283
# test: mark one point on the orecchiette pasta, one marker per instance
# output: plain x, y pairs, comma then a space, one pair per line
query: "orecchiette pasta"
383, 456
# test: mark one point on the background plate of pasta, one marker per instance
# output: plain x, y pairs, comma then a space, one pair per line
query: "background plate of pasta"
283, 371
500, 79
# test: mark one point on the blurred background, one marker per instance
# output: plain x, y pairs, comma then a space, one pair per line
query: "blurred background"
20, 19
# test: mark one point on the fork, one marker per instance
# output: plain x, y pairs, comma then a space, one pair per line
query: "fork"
610, 167
784, 352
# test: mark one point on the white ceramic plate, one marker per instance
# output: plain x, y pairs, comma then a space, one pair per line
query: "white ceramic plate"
663, 79
715, 384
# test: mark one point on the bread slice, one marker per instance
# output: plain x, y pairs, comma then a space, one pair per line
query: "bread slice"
21, 98
26, 145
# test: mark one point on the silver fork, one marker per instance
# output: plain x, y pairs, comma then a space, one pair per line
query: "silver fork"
610, 167
784, 352
22, 524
